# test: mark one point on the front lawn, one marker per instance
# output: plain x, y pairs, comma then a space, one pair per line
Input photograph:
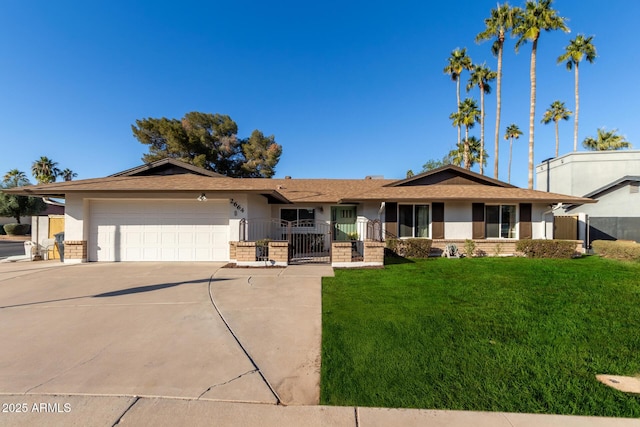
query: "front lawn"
489, 334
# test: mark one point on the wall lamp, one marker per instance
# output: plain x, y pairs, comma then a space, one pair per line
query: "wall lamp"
202, 198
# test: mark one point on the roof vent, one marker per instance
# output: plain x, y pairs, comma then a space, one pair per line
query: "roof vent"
374, 177
287, 177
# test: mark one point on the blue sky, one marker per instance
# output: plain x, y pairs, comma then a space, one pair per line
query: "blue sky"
349, 89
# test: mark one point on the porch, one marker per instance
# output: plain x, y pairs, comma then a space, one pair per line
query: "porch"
273, 242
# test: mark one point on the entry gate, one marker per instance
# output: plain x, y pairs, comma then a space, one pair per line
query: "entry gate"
309, 241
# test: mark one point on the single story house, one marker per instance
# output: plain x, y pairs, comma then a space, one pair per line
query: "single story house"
172, 211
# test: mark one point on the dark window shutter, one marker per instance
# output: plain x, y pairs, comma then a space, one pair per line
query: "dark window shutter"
525, 221
477, 217
437, 220
391, 219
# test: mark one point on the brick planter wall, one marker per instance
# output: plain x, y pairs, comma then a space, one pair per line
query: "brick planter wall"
340, 252
279, 252
374, 253
232, 250
75, 251
246, 252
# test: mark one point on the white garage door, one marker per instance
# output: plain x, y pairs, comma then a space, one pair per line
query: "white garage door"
154, 230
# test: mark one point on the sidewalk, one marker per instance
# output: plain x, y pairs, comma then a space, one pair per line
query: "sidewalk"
109, 411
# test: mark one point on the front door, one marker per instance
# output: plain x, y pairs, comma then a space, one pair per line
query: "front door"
344, 223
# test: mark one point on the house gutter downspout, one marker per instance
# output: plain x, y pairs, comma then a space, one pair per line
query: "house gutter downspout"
544, 214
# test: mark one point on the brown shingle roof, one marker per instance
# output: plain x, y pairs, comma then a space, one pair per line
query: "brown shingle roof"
301, 190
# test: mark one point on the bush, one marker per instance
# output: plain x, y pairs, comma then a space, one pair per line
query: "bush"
410, 248
17, 229
620, 250
469, 247
547, 248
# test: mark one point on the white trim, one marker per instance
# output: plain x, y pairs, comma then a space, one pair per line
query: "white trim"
356, 264
261, 263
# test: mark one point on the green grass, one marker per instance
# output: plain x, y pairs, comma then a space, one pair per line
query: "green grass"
490, 334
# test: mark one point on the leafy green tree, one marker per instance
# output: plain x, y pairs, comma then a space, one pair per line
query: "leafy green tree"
537, 16
501, 21
467, 116
45, 170
606, 141
458, 62
457, 155
410, 173
435, 164
16, 206
209, 141
261, 154
556, 112
578, 49
68, 174
513, 131
481, 75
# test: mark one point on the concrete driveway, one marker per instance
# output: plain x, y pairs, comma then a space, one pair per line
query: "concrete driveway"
155, 329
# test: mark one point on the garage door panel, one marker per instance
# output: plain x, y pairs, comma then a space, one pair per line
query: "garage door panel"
159, 231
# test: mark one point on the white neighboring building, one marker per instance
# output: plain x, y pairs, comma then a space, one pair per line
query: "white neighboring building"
610, 177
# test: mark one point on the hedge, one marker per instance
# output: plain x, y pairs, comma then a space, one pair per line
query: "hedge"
547, 248
617, 249
17, 229
410, 248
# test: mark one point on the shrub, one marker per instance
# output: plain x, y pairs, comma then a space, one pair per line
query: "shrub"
469, 247
410, 248
620, 250
547, 248
17, 229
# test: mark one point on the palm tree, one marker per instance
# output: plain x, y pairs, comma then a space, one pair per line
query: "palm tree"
15, 178
606, 141
456, 156
537, 16
556, 112
481, 75
578, 48
68, 174
467, 116
502, 20
513, 131
458, 61
45, 170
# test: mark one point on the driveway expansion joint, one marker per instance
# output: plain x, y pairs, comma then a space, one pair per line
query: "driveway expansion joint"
137, 398
244, 350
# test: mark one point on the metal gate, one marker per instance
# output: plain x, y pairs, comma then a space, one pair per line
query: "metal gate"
309, 241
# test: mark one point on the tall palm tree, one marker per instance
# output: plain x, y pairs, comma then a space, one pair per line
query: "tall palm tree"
578, 49
15, 178
458, 62
68, 174
556, 112
606, 141
502, 20
513, 131
45, 170
536, 17
456, 156
467, 116
481, 75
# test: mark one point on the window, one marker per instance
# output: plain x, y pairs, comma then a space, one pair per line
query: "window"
501, 221
306, 217
413, 220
